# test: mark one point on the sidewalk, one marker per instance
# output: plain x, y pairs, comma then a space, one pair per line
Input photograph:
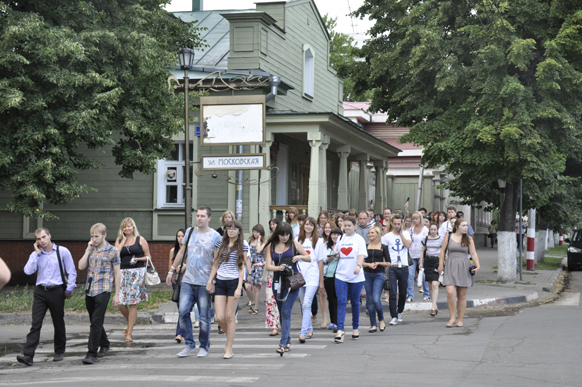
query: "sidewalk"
487, 292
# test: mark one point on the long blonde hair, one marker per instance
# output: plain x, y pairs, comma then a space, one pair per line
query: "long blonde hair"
122, 225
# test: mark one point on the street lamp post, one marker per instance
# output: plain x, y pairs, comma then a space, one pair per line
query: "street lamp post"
186, 57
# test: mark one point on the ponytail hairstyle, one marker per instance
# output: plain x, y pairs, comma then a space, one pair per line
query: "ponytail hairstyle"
224, 251
176, 244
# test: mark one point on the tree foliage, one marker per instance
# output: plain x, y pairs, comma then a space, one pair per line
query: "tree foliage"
491, 89
343, 58
83, 75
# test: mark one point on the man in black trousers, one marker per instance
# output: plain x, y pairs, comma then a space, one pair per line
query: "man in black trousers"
52, 287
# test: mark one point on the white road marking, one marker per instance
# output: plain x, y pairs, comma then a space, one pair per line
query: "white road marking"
568, 299
137, 378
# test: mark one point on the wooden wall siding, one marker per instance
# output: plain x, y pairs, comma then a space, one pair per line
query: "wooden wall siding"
10, 224
285, 56
408, 188
16, 253
386, 132
276, 10
75, 225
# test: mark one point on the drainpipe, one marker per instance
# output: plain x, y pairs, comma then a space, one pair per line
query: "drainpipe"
274, 81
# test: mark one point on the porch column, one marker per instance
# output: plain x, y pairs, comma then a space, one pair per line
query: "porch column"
342, 188
254, 198
363, 159
380, 199
265, 186
390, 191
323, 173
315, 140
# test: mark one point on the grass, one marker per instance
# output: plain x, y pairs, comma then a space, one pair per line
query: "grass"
558, 250
20, 300
549, 263
490, 281
523, 283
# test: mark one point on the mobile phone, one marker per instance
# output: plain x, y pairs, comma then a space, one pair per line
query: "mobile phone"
407, 200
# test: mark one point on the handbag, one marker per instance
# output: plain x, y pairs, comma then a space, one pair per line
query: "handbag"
176, 292
295, 280
151, 275
386, 285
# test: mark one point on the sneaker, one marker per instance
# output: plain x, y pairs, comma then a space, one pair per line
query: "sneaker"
212, 320
202, 353
394, 321
399, 317
420, 290
409, 299
186, 351
196, 324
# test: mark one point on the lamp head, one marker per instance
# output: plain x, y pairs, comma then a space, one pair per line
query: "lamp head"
186, 57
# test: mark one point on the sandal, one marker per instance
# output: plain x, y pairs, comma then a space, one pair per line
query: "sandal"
251, 308
309, 335
254, 311
128, 339
288, 347
339, 339
432, 312
280, 350
179, 339
274, 332
301, 339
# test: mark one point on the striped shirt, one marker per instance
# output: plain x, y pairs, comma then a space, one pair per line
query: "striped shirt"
433, 246
228, 269
101, 263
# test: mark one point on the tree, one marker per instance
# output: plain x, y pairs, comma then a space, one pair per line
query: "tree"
77, 74
343, 58
491, 89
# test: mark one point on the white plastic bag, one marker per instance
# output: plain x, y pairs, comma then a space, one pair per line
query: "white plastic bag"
420, 279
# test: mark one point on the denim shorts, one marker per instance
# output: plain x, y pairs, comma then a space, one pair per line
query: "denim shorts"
225, 287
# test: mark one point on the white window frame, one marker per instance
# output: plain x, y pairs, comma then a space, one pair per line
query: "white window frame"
308, 71
163, 181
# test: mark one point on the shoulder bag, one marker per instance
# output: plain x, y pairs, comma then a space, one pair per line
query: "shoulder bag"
295, 280
176, 293
151, 275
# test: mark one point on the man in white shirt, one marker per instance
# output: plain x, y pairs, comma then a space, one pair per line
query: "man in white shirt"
398, 242
447, 226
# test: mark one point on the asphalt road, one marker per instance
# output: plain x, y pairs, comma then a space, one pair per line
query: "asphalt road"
539, 346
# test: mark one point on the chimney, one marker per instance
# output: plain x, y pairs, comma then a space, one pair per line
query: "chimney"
197, 5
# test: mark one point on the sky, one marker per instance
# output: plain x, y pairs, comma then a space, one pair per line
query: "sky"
335, 8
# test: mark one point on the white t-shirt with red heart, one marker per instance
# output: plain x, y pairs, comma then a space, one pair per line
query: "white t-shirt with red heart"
349, 248
310, 270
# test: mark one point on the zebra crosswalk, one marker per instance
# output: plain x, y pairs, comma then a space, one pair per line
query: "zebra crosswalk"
151, 358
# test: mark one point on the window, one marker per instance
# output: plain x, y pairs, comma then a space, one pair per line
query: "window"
172, 178
308, 71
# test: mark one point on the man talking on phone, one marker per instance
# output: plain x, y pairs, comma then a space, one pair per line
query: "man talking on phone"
52, 287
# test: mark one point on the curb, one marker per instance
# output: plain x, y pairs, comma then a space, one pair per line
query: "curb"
143, 318
552, 284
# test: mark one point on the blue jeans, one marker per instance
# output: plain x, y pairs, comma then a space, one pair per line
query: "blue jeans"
197, 314
306, 295
344, 290
374, 283
398, 281
411, 273
285, 309
190, 295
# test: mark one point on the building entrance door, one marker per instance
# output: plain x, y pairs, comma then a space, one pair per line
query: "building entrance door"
304, 186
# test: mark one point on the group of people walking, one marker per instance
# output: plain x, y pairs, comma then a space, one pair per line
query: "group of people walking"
336, 256
123, 265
